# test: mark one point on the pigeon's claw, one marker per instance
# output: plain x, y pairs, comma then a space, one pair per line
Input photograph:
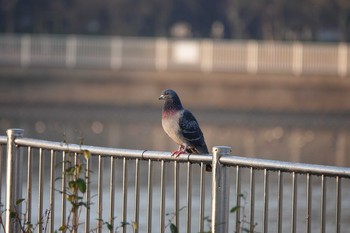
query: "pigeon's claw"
177, 153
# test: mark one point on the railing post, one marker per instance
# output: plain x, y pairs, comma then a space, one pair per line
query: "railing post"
13, 184
220, 192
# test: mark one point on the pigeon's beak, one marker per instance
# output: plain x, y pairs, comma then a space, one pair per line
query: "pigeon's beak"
161, 97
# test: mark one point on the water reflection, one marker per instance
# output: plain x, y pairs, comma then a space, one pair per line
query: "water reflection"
303, 137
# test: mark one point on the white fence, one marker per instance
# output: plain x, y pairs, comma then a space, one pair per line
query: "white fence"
164, 54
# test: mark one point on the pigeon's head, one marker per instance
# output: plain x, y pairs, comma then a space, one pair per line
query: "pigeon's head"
171, 99
168, 95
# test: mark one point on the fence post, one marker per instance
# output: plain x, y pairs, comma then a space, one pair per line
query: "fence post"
342, 60
252, 57
220, 192
25, 50
207, 56
71, 51
13, 184
297, 58
116, 53
161, 58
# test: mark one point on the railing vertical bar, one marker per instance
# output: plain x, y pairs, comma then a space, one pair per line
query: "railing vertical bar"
201, 198
99, 193
280, 202
29, 186
323, 204
150, 198
52, 190
1, 170
125, 193
176, 193
189, 197
75, 221
294, 202
40, 190
137, 195
87, 194
308, 202
13, 186
76, 161
338, 204
238, 199
162, 196
63, 187
266, 201
111, 193
252, 199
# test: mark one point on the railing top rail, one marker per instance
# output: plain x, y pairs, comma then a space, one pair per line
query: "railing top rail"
285, 166
255, 163
108, 151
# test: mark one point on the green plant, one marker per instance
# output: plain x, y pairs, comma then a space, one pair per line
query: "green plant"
19, 218
2, 225
207, 219
76, 188
173, 228
245, 224
110, 227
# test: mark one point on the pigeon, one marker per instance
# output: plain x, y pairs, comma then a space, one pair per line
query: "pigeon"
181, 126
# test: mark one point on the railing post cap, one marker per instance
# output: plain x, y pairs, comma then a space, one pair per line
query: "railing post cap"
15, 132
222, 149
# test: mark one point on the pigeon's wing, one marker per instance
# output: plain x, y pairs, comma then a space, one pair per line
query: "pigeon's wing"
191, 132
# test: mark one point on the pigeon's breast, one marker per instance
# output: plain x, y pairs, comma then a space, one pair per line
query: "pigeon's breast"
170, 123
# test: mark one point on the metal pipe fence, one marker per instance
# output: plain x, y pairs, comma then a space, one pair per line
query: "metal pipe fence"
99, 189
163, 54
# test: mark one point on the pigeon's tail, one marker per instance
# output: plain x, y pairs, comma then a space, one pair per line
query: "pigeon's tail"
201, 150
198, 150
204, 150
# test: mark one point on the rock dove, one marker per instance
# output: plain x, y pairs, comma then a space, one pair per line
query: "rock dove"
182, 126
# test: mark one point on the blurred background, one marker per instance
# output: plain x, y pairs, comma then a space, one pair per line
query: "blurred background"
239, 19
269, 78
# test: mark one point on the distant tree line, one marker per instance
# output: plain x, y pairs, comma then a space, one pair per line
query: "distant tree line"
314, 20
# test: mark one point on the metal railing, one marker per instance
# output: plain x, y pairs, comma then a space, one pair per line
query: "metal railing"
150, 191
162, 54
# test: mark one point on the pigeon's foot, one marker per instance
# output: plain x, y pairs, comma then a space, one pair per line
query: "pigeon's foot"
177, 153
